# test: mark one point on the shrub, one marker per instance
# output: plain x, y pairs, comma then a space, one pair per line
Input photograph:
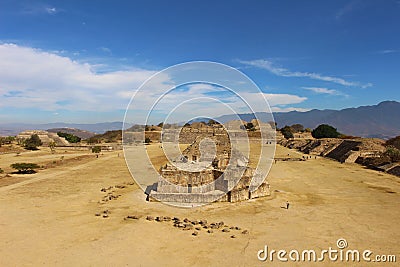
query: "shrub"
393, 153
69, 137
96, 149
1, 170
25, 168
325, 131
250, 126
33, 142
296, 128
287, 132
147, 140
395, 142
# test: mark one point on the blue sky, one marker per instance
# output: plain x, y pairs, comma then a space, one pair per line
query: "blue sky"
81, 61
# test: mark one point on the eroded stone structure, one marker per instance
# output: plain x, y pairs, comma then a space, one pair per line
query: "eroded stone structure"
45, 136
210, 169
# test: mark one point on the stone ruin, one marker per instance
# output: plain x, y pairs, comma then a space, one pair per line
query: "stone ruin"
209, 170
45, 136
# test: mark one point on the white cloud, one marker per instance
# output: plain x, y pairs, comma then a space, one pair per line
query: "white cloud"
387, 51
322, 90
284, 99
37, 8
279, 71
287, 109
105, 49
51, 10
49, 81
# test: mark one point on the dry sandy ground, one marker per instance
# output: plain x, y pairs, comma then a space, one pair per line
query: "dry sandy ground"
49, 218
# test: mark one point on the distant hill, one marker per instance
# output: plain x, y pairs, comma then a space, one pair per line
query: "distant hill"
98, 128
77, 132
382, 120
107, 137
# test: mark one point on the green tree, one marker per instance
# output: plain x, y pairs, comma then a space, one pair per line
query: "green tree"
69, 137
33, 142
287, 132
250, 126
211, 122
393, 153
395, 142
52, 146
325, 131
6, 140
296, 128
25, 168
96, 149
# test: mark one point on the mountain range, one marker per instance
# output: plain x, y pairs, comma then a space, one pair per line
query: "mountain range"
11, 129
381, 121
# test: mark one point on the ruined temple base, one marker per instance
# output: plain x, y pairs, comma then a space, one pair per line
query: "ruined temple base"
235, 195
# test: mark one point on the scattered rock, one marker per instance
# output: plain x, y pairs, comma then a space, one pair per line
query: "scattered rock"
226, 230
232, 227
233, 236
188, 226
238, 228
149, 218
245, 232
105, 215
195, 233
97, 214
203, 222
198, 228
186, 220
210, 231
132, 217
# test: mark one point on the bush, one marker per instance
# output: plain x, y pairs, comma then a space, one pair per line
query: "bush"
33, 142
96, 149
147, 140
394, 142
25, 167
1, 170
393, 153
296, 128
287, 132
69, 137
250, 126
325, 131
6, 140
